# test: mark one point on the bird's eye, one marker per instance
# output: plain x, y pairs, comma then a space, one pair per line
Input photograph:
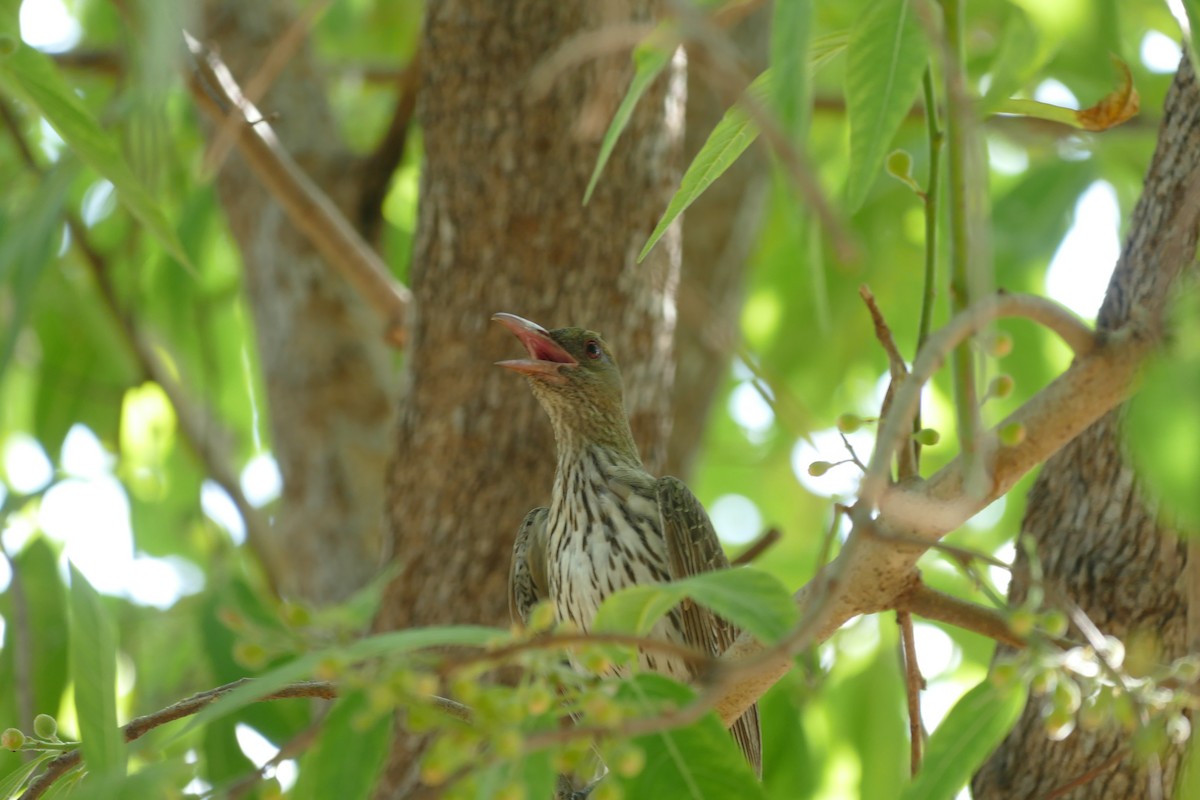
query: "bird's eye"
592, 348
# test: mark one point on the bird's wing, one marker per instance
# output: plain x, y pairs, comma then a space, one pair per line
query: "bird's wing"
692, 548
528, 580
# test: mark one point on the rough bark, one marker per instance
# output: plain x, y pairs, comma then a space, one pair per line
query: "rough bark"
1100, 542
323, 359
501, 228
719, 230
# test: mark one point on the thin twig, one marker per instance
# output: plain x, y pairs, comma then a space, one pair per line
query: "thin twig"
898, 422
756, 548
311, 211
140, 726
913, 684
906, 460
950, 610
281, 52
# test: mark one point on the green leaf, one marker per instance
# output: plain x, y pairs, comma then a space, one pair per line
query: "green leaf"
1163, 423
386, 644
636, 608
1017, 60
972, 729
94, 670
10, 27
649, 59
34, 77
791, 30
1192, 8
698, 762
26, 250
733, 134
15, 780
749, 598
46, 618
883, 75
753, 600
346, 759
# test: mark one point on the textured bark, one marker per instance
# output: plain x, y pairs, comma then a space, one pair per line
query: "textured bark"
1099, 540
501, 228
719, 230
323, 358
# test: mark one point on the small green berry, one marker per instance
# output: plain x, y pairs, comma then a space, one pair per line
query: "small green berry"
849, 423
927, 437
1001, 345
1002, 386
819, 468
1012, 434
1054, 622
12, 739
45, 726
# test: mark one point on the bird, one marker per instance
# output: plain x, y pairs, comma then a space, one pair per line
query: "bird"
610, 524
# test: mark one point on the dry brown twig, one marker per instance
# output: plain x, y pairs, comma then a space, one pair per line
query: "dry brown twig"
311, 211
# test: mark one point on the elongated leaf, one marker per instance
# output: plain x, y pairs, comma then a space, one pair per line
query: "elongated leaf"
753, 600
1017, 60
394, 643
26, 250
34, 77
972, 729
94, 670
347, 758
733, 134
649, 59
698, 762
883, 74
636, 609
791, 29
15, 780
749, 598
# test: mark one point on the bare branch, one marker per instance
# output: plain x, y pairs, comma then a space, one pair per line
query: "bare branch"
913, 684
312, 212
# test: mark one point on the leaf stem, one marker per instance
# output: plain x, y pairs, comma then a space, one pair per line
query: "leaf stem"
929, 290
958, 113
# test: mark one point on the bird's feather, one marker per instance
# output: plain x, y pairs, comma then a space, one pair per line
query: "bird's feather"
528, 582
692, 548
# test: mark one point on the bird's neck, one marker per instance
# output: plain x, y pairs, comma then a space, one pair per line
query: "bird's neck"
576, 435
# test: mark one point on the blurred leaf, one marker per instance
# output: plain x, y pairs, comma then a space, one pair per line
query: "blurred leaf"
1013, 66
749, 598
25, 251
346, 759
1163, 423
969, 733
886, 57
791, 29
649, 59
700, 761
224, 760
15, 780
162, 779
94, 671
789, 766
34, 77
1192, 9
385, 644
733, 134
46, 623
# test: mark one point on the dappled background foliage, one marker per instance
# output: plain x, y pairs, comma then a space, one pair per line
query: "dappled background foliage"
113, 244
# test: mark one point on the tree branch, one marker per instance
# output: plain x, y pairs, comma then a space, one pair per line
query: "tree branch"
140, 726
214, 90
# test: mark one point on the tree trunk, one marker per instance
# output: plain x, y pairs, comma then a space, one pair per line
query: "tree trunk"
323, 357
511, 137
1100, 542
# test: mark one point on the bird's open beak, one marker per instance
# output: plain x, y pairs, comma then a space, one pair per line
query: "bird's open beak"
546, 356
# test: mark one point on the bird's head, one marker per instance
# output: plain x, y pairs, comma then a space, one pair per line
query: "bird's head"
574, 376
